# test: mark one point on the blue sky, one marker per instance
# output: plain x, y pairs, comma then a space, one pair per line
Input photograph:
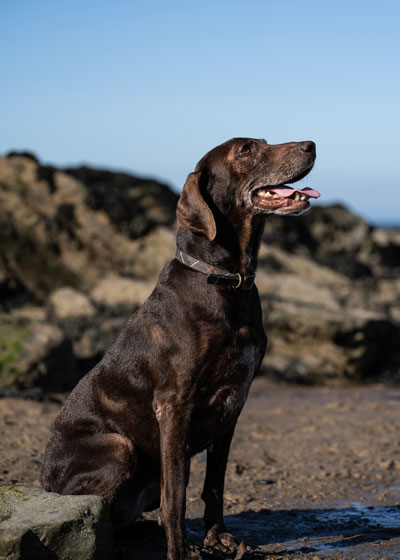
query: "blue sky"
150, 86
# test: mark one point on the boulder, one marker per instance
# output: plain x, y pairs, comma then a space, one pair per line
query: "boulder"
71, 310
118, 296
36, 525
318, 341
68, 304
34, 354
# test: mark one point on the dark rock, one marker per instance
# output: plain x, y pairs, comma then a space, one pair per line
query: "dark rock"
28, 261
135, 206
28, 155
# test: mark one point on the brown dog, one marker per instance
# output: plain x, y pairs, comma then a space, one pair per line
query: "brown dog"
176, 379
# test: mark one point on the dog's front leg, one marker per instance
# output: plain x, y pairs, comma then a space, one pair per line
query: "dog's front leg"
216, 534
173, 420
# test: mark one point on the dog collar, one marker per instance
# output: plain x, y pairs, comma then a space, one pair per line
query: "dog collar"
216, 275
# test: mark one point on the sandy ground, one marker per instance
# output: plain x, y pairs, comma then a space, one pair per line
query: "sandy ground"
313, 473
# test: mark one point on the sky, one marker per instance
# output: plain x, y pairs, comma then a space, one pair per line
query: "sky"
149, 87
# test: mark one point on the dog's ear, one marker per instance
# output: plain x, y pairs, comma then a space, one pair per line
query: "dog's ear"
192, 211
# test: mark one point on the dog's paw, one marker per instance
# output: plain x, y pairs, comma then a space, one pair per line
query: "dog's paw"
220, 540
194, 553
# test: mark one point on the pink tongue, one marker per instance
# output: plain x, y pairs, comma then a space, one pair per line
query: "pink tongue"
287, 191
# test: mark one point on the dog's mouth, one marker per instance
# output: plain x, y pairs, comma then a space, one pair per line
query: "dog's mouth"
282, 199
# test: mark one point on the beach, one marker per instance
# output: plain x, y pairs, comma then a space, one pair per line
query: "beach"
314, 472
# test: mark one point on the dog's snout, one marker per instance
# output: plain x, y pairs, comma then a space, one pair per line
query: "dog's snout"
308, 146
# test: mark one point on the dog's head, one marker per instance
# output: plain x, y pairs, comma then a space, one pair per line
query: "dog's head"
246, 175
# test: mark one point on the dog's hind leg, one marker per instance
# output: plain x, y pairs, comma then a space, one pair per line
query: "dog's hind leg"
106, 465
138, 494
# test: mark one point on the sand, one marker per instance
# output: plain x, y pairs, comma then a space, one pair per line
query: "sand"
313, 473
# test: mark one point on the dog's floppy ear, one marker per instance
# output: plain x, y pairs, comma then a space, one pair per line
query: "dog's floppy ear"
192, 211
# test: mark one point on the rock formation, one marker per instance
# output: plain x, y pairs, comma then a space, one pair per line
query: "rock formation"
80, 250
38, 525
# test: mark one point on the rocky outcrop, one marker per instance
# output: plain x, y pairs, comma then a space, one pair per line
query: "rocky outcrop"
71, 227
36, 525
81, 249
339, 239
324, 325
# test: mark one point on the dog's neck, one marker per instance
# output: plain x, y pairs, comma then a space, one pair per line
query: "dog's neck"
234, 249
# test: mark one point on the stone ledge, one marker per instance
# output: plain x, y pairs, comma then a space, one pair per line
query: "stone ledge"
39, 525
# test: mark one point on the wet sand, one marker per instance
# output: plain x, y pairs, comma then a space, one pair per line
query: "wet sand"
313, 473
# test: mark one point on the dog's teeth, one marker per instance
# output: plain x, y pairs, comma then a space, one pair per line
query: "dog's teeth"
263, 192
275, 196
297, 196
302, 197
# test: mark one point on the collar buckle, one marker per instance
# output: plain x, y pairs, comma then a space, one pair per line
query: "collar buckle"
241, 279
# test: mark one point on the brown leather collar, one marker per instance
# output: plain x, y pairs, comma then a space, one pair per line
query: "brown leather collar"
216, 275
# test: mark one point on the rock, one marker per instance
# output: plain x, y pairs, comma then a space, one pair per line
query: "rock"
117, 295
31, 312
68, 304
302, 291
136, 206
331, 297
35, 525
386, 250
275, 261
34, 354
71, 227
153, 252
87, 246
71, 310
93, 322
317, 343
333, 236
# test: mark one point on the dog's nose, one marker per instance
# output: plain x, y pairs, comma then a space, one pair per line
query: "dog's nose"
308, 146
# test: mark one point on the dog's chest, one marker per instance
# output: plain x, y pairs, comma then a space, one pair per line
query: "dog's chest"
235, 374
221, 398
239, 358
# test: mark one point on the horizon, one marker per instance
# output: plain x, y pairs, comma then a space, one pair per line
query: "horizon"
148, 89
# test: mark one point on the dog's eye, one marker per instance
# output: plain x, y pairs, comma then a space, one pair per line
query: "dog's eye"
245, 149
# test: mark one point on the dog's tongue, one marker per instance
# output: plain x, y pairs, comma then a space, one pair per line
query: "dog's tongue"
288, 191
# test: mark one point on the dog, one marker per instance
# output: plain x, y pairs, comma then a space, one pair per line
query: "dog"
176, 379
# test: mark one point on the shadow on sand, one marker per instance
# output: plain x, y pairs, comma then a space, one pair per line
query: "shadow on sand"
361, 530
